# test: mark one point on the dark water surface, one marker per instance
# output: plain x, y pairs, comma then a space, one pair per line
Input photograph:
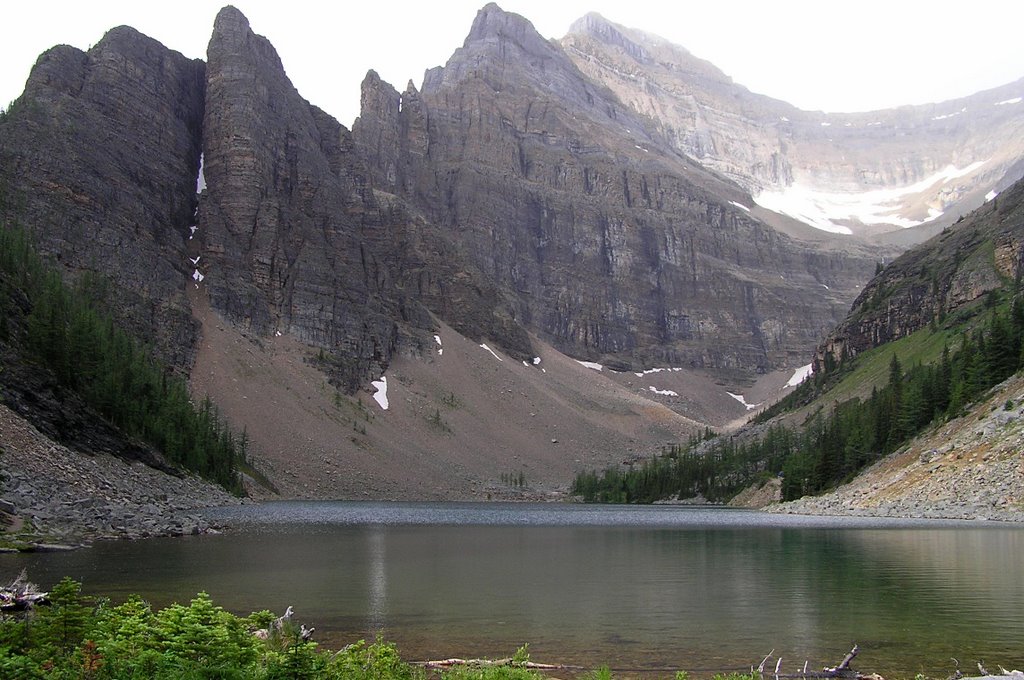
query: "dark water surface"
641, 588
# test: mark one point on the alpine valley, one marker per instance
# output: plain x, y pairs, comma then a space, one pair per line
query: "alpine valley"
556, 256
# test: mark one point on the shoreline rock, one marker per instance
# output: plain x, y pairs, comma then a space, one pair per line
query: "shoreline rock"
971, 468
56, 498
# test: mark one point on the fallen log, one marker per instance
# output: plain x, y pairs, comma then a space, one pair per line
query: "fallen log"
839, 672
448, 663
20, 595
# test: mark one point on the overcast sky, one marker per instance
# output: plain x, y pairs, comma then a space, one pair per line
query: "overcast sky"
822, 54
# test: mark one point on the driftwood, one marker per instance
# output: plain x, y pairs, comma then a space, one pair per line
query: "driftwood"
21, 595
840, 672
448, 663
277, 629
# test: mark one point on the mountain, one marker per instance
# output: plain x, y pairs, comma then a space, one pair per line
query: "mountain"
871, 172
915, 397
98, 159
401, 310
947, 276
607, 241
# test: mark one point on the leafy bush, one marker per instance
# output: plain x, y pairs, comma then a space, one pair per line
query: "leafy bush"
76, 637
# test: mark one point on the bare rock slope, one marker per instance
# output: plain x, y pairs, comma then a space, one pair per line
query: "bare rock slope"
871, 172
969, 468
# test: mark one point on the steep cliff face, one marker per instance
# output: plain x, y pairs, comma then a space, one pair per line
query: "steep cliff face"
605, 239
867, 172
956, 269
98, 159
292, 238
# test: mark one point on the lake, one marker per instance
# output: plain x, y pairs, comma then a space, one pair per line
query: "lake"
641, 589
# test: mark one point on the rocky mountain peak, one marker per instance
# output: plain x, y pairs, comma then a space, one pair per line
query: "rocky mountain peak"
498, 41
595, 25
869, 173
493, 23
101, 153
641, 47
231, 21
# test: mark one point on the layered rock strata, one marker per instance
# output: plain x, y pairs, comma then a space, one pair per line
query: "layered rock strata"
871, 172
606, 240
98, 159
956, 269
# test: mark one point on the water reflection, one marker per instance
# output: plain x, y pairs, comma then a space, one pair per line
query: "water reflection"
378, 582
649, 589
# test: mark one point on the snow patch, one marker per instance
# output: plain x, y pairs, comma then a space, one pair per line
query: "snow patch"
990, 195
664, 393
440, 350
1015, 100
949, 115
800, 374
201, 177
197, 276
381, 395
641, 148
784, 119
649, 371
590, 364
740, 206
823, 210
484, 346
277, 334
739, 398
826, 125
536, 361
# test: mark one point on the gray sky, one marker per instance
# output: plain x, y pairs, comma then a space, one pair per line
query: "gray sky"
827, 55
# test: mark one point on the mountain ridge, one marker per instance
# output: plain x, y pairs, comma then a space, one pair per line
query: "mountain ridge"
515, 203
821, 167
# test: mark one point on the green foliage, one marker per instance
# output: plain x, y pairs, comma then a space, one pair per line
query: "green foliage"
438, 423
716, 470
77, 638
66, 331
514, 479
605, 673
502, 672
379, 661
832, 445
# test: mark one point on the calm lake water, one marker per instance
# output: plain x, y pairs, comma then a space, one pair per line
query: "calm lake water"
643, 589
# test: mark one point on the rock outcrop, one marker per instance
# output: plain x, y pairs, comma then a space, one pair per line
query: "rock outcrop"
292, 238
605, 240
98, 159
69, 497
954, 270
870, 172
968, 468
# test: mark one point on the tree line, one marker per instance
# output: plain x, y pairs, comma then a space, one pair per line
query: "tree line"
62, 328
833, 444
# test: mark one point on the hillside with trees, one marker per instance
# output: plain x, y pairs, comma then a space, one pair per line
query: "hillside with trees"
81, 379
855, 412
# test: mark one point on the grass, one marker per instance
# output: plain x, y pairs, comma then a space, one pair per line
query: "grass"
871, 368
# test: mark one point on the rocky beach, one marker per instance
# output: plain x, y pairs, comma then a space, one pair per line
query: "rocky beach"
55, 498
